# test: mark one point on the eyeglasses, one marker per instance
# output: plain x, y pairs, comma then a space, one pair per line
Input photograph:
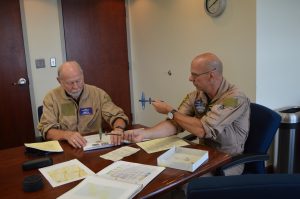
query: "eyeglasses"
195, 75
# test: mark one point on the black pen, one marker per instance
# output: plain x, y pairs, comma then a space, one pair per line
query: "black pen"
113, 134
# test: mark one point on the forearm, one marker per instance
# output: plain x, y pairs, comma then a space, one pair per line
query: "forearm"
162, 129
191, 124
57, 134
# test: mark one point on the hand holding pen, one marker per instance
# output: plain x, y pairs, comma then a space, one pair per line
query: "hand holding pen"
116, 136
161, 106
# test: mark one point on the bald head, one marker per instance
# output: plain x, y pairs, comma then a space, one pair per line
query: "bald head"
208, 61
67, 68
70, 77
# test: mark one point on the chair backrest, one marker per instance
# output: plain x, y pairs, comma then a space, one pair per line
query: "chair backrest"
40, 112
264, 123
258, 186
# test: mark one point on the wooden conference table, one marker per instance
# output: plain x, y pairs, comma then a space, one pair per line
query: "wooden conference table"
12, 175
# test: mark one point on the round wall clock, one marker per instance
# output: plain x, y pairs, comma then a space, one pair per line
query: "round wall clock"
214, 8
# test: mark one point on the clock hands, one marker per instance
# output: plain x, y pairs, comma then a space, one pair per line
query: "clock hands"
212, 4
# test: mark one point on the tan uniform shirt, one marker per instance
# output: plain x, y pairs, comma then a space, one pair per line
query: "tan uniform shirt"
225, 118
62, 112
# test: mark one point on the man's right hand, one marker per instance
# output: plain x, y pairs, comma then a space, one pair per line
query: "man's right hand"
75, 139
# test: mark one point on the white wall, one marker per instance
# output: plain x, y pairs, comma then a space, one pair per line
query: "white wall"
278, 51
257, 41
43, 39
278, 47
168, 34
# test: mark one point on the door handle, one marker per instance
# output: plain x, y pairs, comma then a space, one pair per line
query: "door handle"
21, 81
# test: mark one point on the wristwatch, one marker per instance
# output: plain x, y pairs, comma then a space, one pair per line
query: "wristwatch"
171, 114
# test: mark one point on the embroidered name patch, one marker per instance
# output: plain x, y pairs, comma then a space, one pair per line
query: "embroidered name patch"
86, 111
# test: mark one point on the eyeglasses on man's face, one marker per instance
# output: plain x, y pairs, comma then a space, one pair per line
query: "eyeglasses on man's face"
195, 75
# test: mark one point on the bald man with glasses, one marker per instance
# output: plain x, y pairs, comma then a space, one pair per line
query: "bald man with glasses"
217, 112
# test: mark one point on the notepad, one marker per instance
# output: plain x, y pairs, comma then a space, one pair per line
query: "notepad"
94, 142
120, 180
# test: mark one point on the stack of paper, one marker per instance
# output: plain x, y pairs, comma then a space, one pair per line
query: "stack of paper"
50, 146
120, 180
161, 144
94, 142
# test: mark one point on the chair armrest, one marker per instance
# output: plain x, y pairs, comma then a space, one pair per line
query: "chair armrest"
189, 137
242, 159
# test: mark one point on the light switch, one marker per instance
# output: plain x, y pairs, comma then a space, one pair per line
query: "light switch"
52, 62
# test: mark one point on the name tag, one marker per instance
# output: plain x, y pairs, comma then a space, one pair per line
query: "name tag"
86, 111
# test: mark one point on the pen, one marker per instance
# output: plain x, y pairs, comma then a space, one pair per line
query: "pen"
100, 134
113, 134
156, 101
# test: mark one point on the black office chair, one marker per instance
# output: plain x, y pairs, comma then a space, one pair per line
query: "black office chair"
251, 186
40, 112
264, 123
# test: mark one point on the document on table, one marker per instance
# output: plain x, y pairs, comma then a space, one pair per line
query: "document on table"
162, 144
94, 142
51, 146
120, 153
120, 180
65, 172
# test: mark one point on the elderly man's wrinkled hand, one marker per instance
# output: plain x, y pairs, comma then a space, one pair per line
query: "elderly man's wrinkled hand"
76, 139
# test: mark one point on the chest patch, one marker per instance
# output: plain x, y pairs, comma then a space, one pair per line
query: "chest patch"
68, 109
86, 111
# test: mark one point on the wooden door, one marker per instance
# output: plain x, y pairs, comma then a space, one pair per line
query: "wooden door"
16, 122
95, 36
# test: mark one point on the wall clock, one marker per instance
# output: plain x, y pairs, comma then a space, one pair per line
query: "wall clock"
214, 8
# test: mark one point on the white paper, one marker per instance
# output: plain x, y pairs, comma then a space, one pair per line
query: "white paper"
120, 153
130, 172
65, 172
95, 187
120, 180
162, 144
94, 142
51, 146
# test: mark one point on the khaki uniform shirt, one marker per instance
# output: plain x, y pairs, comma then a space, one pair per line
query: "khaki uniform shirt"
225, 118
62, 112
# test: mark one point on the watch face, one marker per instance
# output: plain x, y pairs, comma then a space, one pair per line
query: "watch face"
170, 115
214, 8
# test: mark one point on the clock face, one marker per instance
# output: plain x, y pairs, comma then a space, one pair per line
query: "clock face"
214, 8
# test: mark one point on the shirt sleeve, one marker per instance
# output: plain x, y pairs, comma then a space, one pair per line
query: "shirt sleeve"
49, 117
223, 114
110, 111
186, 107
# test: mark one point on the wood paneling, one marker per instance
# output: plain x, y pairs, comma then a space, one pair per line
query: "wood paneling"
15, 108
95, 36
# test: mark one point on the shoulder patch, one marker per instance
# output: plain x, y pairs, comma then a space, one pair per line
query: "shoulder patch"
230, 102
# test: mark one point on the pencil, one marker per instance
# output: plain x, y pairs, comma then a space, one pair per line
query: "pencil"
113, 134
